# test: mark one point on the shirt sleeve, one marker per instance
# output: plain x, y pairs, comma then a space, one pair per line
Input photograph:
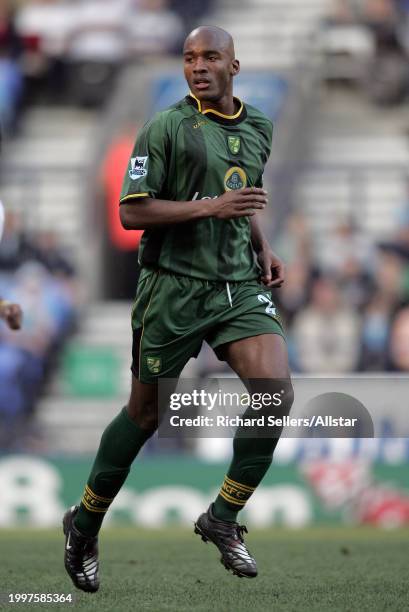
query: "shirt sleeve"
267, 143
147, 169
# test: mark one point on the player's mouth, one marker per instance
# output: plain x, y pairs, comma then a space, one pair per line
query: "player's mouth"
201, 84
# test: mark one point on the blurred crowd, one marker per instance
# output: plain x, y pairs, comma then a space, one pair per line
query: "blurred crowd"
366, 42
70, 51
35, 273
348, 309
345, 308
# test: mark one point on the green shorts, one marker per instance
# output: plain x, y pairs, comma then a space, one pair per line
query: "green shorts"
173, 314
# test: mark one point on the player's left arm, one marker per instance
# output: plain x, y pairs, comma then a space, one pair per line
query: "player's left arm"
272, 267
11, 314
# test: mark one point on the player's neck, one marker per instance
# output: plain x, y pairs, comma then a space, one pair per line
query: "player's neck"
226, 105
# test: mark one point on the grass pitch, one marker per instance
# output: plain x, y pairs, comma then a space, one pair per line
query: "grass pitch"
312, 570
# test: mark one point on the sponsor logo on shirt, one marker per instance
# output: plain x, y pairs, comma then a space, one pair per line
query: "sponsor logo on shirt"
235, 178
138, 168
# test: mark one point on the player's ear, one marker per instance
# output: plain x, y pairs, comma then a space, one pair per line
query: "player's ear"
235, 67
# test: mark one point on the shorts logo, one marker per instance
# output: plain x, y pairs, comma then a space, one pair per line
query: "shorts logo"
154, 364
235, 178
270, 309
138, 168
234, 144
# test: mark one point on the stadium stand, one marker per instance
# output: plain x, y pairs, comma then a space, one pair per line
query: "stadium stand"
340, 183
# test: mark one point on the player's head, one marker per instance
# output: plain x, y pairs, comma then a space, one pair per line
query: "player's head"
210, 63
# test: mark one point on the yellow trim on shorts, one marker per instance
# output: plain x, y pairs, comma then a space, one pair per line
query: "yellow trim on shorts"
143, 321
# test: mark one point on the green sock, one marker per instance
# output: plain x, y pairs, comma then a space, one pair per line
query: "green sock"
251, 460
120, 443
252, 456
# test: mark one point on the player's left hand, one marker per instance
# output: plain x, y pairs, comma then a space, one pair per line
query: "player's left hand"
272, 268
12, 314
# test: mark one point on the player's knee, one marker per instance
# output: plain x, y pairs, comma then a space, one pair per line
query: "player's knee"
145, 415
276, 395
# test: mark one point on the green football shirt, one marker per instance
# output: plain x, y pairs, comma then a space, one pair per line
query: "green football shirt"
184, 154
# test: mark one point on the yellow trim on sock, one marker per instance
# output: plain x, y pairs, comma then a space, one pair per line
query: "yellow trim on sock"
238, 485
232, 500
98, 497
92, 509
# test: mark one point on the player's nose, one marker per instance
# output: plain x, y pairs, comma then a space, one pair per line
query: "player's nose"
199, 66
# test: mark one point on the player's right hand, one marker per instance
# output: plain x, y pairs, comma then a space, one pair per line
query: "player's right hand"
12, 314
239, 203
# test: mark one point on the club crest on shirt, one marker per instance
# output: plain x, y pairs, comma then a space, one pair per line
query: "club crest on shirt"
234, 144
154, 364
235, 178
138, 168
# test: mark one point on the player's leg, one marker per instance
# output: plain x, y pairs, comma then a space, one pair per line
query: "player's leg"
161, 347
260, 361
120, 444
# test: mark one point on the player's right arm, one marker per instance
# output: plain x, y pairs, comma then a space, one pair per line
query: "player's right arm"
150, 212
141, 205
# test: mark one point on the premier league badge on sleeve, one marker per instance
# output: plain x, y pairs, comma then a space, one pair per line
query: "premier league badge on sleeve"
138, 168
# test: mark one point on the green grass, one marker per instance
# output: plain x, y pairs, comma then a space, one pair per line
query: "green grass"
172, 570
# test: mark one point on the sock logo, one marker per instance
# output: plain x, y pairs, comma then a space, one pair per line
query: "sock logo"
235, 492
94, 502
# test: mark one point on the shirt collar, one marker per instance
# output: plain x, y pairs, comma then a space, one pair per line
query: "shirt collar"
215, 115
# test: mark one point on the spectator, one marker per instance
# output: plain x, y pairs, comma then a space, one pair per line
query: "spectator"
51, 255
97, 47
11, 80
347, 243
387, 78
293, 294
326, 332
23, 355
376, 325
342, 12
399, 341
154, 29
10, 42
190, 11
44, 26
390, 275
294, 247
15, 247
